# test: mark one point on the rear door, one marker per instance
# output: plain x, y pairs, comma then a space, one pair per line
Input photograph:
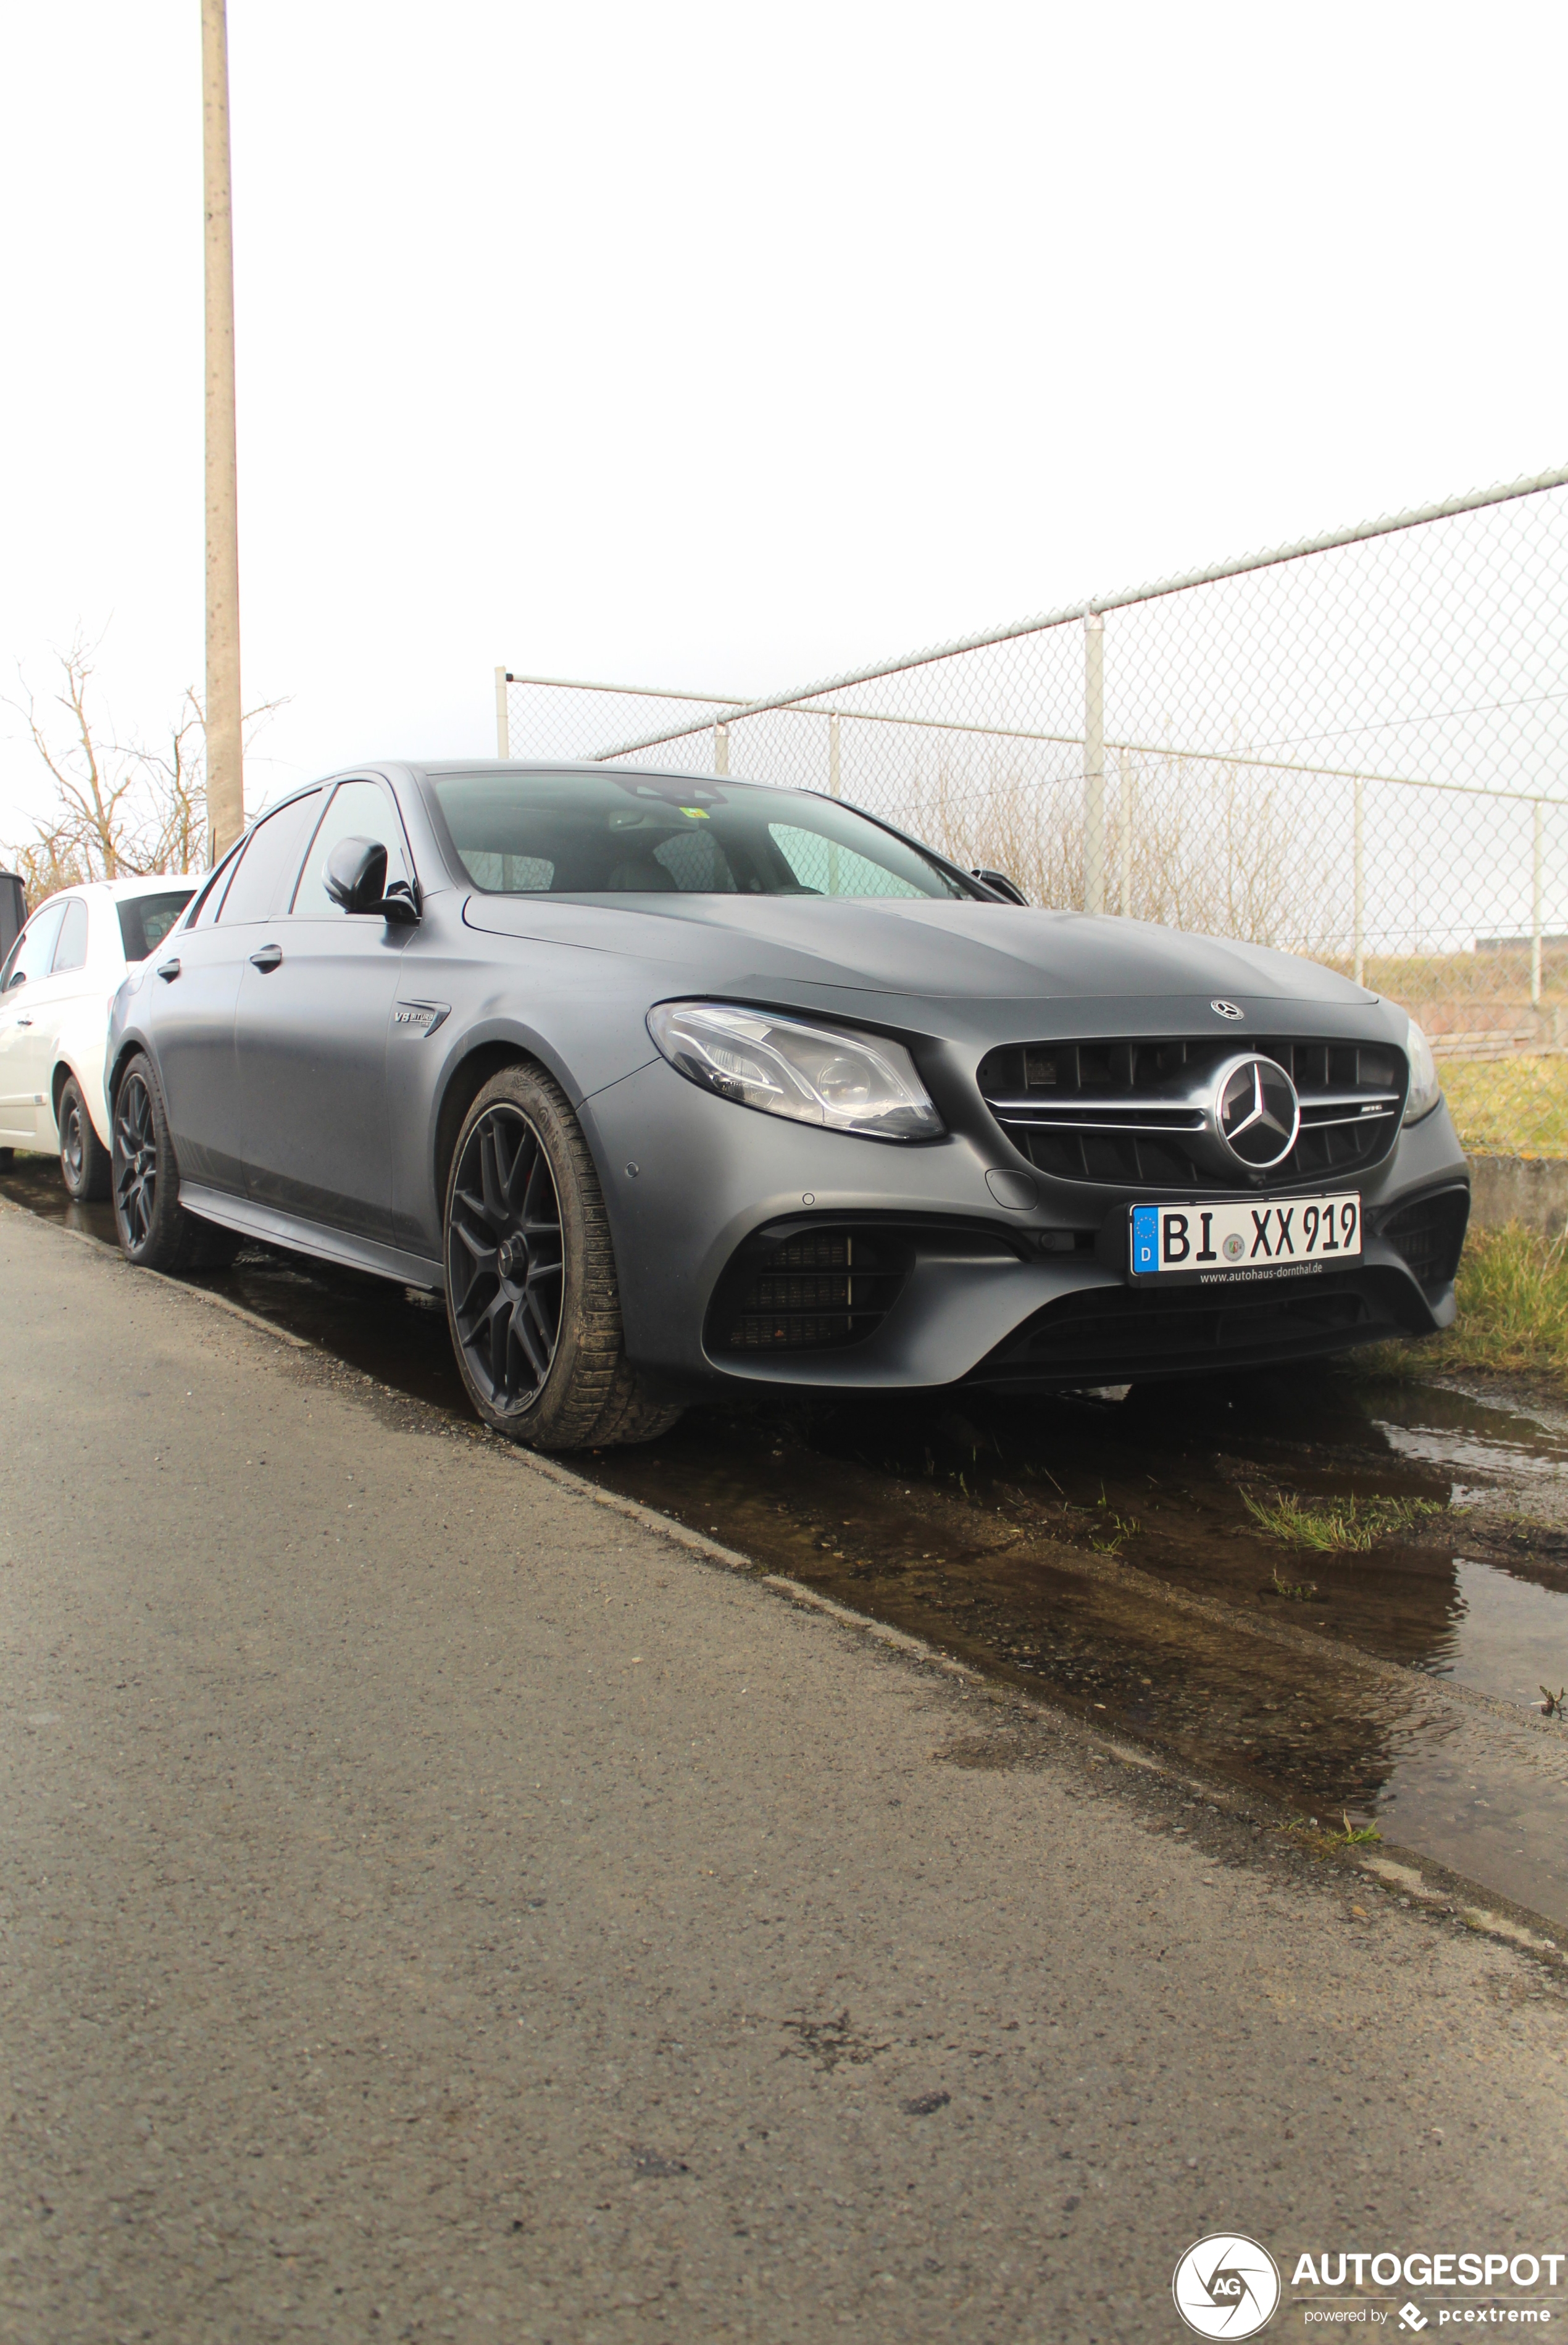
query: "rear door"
196, 986
314, 1016
22, 1002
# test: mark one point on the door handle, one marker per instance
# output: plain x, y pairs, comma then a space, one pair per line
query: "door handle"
270, 957
24, 1022
168, 970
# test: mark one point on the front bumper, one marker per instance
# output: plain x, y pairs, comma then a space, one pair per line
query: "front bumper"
698, 1189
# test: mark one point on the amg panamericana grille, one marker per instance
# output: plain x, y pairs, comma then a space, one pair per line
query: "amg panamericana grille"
1134, 1114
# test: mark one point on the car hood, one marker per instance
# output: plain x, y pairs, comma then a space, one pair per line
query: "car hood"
972, 952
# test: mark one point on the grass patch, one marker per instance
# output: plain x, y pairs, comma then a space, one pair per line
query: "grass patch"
1336, 1525
1513, 1314
1513, 1304
1509, 1107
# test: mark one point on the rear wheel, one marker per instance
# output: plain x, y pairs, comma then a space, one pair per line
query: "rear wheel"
155, 1231
531, 1295
83, 1159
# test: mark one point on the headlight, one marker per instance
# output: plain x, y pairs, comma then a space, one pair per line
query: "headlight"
814, 1074
1425, 1088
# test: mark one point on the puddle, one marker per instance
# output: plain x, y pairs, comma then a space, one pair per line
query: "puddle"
1099, 1549
1509, 1638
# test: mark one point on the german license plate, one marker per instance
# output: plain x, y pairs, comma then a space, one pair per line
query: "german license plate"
1221, 1244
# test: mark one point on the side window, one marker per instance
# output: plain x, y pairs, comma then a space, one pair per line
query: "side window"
358, 810
145, 920
71, 952
35, 947
271, 852
209, 903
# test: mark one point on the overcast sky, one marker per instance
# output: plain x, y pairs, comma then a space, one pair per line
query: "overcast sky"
729, 346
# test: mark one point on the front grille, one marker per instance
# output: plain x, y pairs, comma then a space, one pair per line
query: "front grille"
1131, 1114
816, 1292
1430, 1233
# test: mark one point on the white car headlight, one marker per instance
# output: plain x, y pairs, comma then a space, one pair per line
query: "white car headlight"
824, 1075
1425, 1090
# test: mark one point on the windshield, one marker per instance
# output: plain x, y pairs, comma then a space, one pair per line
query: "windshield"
614, 834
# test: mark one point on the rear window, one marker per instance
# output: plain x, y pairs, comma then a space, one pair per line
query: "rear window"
145, 920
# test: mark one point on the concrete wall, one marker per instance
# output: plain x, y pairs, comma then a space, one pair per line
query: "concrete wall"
1529, 1188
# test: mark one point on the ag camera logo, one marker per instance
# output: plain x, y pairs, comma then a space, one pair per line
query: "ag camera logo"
1227, 2286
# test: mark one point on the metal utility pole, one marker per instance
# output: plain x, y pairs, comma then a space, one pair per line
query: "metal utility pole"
225, 750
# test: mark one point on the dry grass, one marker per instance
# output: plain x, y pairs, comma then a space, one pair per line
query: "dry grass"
1509, 1107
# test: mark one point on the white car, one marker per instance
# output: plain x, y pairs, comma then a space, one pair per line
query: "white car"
56, 987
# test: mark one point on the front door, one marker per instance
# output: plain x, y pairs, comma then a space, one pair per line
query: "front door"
194, 976
23, 1004
311, 1032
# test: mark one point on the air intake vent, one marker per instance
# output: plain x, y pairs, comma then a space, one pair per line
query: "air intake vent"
1430, 1233
815, 1293
1134, 1114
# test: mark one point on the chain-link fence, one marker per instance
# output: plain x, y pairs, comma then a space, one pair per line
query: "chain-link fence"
1356, 748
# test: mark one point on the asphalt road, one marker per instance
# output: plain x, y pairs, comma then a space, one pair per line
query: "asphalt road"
438, 1904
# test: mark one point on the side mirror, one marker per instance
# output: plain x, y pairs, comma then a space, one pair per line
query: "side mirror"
998, 884
357, 874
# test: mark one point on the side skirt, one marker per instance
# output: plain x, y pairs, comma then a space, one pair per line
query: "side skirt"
272, 1228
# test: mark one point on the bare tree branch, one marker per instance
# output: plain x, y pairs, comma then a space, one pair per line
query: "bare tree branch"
120, 809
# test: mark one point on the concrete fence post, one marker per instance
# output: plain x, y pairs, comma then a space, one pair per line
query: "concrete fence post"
502, 717
1094, 762
721, 748
1358, 882
1124, 836
835, 770
1537, 859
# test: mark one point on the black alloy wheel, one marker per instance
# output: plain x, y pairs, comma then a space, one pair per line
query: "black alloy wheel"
532, 1300
503, 1259
83, 1159
154, 1229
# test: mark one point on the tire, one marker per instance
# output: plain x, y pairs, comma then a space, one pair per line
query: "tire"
83, 1159
154, 1229
531, 1302
7, 1158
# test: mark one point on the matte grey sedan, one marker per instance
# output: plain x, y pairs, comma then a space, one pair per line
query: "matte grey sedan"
676, 1085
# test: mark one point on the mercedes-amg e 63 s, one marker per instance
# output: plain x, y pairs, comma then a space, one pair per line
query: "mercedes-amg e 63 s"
676, 1084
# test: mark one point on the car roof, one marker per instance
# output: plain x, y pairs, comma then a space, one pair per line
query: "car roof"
120, 891
581, 765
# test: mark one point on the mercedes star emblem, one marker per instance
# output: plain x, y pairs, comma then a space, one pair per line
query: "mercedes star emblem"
1227, 1009
1257, 1112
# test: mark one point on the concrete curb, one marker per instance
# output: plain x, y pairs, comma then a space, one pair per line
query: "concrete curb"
1529, 1188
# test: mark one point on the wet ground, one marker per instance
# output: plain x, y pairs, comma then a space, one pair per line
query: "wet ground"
1119, 1552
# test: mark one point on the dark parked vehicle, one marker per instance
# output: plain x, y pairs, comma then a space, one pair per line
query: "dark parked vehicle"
674, 1084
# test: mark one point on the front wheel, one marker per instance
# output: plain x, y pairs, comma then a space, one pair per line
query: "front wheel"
155, 1231
83, 1159
531, 1295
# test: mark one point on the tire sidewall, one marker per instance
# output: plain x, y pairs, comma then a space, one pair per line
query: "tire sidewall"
90, 1182
72, 1107
534, 1098
163, 1231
